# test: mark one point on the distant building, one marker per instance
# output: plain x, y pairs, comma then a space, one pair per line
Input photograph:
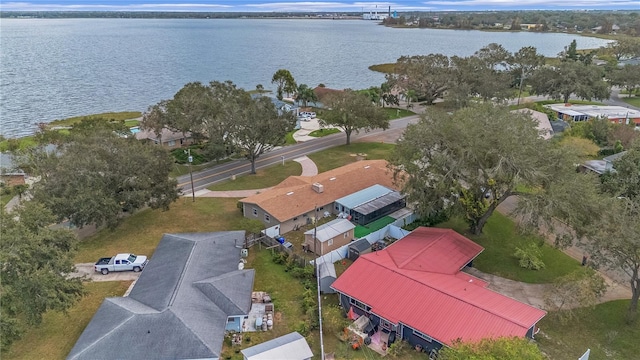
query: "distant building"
615, 114
168, 138
602, 166
544, 125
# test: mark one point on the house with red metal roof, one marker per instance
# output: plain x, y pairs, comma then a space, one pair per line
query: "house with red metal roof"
415, 290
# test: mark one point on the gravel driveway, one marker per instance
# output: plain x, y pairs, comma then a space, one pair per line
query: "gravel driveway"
86, 269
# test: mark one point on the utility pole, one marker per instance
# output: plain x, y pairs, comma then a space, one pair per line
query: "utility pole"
315, 263
190, 159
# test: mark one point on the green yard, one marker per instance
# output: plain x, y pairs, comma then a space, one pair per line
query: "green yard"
500, 240
364, 230
393, 113
346, 154
633, 101
141, 232
263, 178
601, 329
57, 334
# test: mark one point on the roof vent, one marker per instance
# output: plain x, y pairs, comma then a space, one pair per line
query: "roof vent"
368, 166
317, 187
332, 178
290, 193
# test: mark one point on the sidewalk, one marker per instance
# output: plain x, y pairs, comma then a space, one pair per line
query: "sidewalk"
307, 127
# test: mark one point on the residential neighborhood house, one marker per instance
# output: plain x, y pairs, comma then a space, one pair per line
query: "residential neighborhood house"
415, 290
298, 199
292, 346
544, 125
615, 114
180, 305
168, 138
602, 166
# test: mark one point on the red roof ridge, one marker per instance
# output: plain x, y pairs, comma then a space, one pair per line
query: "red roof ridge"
450, 293
419, 252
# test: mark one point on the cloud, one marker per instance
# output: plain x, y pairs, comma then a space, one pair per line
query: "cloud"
535, 4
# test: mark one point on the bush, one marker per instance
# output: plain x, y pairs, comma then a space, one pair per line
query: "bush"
181, 156
397, 348
280, 257
530, 257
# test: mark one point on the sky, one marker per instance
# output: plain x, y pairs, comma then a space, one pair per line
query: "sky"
314, 6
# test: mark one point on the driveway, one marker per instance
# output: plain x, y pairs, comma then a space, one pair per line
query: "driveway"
86, 270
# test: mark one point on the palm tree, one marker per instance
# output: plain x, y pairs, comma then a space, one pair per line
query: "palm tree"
305, 94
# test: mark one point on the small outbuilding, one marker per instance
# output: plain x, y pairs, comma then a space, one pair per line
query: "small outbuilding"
327, 274
328, 237
292, 346
357, 248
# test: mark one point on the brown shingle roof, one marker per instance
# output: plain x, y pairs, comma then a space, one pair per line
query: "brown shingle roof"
295, 195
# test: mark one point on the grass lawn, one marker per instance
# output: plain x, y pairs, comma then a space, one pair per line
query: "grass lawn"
141, 232
362, 231
324, 132
393, 113
633, 101
500, 240
263, 178
601, 329
20, 143
288, 139
117, 116
57, 334
346, 154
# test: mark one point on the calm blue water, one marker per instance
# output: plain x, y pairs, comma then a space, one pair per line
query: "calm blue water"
57, 68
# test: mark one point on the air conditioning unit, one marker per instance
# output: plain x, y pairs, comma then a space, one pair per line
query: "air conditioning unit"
317, 187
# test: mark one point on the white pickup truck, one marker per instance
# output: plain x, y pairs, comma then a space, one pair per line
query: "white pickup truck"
121, 262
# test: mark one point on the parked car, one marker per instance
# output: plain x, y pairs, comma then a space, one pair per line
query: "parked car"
303, 118
309, 114
121, 262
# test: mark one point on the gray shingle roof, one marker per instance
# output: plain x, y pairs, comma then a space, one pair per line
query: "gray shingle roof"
292, 346
179, 306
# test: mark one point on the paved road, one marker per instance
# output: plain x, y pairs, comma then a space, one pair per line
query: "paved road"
225, 171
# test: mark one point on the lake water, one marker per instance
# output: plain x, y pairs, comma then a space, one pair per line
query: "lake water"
57, 68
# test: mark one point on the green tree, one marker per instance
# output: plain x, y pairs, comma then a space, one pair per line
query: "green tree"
305, 94
490, 349
285, 82
485, 74
427, 75
352, 111
602, 213
624, 47
626, 77
470, 162
571, 77
35, 263
96, 175
581, 288
256, 126
523, 63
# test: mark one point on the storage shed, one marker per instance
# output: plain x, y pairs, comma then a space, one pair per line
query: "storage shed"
327, 274
328, 237
292, 346
357, 248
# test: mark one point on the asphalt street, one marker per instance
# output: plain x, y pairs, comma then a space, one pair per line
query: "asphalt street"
225, 171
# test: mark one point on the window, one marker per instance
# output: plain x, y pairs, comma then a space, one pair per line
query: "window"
345, 235
172, 143
267, 218
358, 304
422, 336
255, 212
117, 262
295, 218
330, 242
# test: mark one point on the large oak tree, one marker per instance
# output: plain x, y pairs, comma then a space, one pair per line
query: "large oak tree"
97, 174
352, 111
35, 261
470, 162
571, 77
428, 76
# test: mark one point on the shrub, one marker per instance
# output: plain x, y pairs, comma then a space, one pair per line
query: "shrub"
530, 257
397, 348
280, 257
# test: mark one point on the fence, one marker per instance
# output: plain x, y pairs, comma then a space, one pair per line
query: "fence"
392, 230
274, 245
